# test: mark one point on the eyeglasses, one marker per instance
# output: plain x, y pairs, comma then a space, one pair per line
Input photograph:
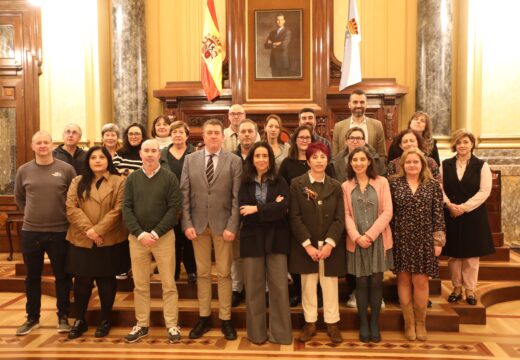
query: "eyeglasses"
236, 113
304, 138
355, 138
134, 134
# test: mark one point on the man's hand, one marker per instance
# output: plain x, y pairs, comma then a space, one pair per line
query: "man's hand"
147, 240
190, 233
228, 235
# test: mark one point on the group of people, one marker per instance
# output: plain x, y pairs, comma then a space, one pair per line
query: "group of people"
270, 210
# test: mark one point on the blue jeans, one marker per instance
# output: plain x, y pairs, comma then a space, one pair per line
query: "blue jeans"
34, 246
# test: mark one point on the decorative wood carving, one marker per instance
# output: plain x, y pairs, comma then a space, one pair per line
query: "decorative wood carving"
20, 66
187, 99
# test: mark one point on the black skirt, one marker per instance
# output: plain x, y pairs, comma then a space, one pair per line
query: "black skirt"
98, 261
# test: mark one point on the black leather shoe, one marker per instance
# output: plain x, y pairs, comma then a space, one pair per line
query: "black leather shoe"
236, 298
471, 299
192, 278
228, 330
454, 297
103, 329
80, 326
294, 301
200, 328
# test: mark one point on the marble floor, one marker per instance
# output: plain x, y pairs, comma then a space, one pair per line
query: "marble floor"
498, 339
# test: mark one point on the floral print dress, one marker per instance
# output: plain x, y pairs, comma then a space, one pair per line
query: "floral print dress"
418, 222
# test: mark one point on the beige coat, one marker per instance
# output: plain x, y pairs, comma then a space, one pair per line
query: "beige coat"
102, 211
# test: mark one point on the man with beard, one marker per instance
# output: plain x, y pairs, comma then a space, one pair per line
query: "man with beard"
373, 128
307, 117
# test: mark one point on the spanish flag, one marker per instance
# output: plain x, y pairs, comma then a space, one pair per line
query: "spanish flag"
351, 67
212, 54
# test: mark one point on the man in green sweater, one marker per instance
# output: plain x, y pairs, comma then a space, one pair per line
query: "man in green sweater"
150, 210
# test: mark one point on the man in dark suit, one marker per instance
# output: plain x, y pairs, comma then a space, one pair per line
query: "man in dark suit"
278, 41
210, 183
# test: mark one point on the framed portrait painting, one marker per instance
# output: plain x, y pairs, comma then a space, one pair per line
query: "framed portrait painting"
278, 44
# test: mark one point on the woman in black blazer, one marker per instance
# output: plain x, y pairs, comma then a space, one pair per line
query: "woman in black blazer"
264, 245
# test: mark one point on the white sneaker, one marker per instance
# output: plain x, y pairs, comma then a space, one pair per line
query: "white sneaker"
174, 334
351, 303
382, 303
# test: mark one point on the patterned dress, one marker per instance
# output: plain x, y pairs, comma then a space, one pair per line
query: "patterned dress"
418, 218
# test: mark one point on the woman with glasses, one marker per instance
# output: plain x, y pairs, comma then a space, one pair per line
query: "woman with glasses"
368, 210
420, 122
293, 166
354, 138
408, 139
161, 131
272, 134
127, 159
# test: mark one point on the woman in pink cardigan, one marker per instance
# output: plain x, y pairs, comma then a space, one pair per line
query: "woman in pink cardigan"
368, 211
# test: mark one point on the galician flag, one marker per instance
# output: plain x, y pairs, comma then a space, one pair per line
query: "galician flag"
351, 67
212, 54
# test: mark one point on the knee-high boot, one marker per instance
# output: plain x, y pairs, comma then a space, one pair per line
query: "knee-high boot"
420, 322
409, 321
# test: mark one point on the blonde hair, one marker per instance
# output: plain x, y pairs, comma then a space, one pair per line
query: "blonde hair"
457, 137
425, 176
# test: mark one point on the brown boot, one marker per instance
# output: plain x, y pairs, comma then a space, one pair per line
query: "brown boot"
334, 333
308, 331
420, 322
409, 322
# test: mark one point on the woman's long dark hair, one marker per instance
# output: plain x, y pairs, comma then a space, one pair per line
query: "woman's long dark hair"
127, 148
88, 176
249, 174
293, 150
371, 170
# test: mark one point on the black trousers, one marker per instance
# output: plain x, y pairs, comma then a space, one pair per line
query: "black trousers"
107, 286
34, 246
183, 252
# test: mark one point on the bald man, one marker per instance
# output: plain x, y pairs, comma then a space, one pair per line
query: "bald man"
235, 115
151, 207
69, 151
40, 192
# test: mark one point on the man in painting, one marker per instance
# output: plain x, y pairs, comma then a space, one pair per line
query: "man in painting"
278, 41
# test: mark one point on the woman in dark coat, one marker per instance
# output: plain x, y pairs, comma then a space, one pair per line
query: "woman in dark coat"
467, 183
318, 253
172, 159
264, 245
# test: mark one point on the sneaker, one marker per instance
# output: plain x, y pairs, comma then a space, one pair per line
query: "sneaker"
383, 304
27, 327
122, 276
137, 333
174, 334
351, 302
63, 324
